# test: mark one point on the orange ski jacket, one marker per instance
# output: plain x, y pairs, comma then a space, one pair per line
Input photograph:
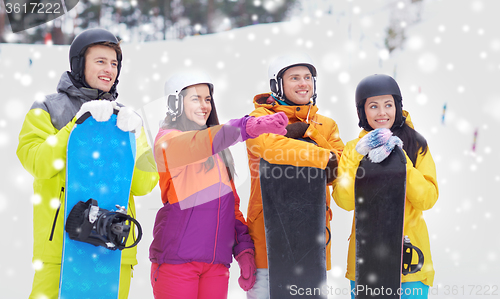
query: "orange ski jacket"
287, 151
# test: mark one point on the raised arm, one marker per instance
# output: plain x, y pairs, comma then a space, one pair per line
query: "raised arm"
192, 146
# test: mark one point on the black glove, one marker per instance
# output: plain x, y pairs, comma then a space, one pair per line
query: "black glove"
296, 130
331, 169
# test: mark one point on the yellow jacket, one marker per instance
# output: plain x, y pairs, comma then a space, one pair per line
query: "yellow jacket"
279, 149
421, 194
42, 152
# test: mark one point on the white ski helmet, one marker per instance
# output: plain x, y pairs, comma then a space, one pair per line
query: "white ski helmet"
279, 65
177, 83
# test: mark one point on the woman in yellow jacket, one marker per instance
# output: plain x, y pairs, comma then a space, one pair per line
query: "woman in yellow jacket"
379, 106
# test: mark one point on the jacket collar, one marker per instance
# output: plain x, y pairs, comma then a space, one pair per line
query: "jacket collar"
66, 85
303, 113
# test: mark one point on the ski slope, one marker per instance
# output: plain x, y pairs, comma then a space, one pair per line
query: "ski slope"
447, 59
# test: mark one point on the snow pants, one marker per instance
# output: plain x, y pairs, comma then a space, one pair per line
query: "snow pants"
193, 280
46, 281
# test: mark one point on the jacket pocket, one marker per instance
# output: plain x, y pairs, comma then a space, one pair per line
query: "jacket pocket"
57, 214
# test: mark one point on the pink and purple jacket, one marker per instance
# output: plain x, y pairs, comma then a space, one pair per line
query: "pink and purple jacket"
200, 220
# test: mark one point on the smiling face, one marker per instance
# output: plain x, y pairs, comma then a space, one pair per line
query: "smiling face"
298, 85
101, 67
197, 103
380, 111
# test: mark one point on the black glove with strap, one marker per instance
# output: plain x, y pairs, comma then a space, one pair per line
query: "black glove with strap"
296, 130
331, 169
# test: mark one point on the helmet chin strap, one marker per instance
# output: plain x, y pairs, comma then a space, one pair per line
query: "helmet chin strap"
281, 90
284, 98
78, 72
100, 93
363, 122
288, 101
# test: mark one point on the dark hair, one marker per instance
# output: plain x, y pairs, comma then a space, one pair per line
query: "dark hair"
82, 81
182, 123
114, 46
413, 142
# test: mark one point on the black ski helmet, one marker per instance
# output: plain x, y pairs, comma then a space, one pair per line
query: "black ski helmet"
79, 47
377, 85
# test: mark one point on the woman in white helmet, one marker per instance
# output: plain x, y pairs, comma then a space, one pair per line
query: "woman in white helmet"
200, 227
292, 80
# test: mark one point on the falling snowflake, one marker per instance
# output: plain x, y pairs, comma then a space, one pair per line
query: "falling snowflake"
58, 164
428, 62
37, 265
36, 199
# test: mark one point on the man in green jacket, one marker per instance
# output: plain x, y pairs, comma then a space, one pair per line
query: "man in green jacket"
90, 86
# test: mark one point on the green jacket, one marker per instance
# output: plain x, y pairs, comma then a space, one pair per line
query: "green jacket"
42, 152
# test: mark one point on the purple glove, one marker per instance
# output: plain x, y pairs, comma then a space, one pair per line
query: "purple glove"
273, 123
246, 261
373, 139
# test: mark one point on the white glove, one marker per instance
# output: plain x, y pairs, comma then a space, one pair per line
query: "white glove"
379, 154
372, 140
128, 120
101, 110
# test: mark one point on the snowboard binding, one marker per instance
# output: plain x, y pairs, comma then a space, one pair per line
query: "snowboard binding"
88, 223
408, 267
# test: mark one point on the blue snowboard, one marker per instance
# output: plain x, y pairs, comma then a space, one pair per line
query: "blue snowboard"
99, 165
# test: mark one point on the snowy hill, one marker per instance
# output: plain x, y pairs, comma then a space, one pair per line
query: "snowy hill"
447, 59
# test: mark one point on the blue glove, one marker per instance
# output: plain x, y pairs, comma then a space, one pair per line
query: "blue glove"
373, 139
379, 154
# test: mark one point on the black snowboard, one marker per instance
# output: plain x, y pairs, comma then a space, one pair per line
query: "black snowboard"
294, 205
380, 191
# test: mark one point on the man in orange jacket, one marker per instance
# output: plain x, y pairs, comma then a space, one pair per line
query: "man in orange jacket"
293, 84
